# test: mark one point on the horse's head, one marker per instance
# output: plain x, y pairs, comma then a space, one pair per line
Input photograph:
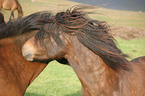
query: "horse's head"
58, 38
52, 41
44, 51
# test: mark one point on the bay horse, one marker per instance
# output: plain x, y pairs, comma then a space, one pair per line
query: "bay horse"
91, 51
16, 73
12, 5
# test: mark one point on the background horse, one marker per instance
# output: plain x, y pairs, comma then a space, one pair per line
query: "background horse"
91, 51
12, 5
15, 72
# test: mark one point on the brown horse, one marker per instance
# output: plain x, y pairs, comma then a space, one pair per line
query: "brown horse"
91, 51
15, 72
12, 5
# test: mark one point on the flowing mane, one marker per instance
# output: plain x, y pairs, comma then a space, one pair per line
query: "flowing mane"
91, 33
20, 26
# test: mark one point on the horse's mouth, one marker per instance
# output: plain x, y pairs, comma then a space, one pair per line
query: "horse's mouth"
41, 61
30, 58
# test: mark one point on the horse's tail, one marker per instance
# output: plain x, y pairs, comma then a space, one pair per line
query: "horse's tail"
19, 8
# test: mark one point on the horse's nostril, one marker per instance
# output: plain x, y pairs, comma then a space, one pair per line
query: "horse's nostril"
28, 57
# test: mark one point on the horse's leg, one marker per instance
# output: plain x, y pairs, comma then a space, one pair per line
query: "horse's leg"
12, 15
20, 12
13, 8
19, 9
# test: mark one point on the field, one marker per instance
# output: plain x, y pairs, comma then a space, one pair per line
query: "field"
60, 80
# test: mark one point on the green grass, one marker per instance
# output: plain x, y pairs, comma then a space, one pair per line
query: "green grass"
121, 18
134, 48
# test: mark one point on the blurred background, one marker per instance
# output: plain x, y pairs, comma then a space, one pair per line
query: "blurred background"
132, 5
126, 19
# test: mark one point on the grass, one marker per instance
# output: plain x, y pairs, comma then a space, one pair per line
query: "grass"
121, 18
60, 80
134, 48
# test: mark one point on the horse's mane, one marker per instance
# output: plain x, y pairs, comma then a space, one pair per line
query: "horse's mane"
91, 33
26, 24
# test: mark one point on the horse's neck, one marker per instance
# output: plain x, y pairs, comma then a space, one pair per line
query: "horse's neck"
20, 71
97, 78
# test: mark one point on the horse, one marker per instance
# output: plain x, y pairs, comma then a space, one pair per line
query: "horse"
16, 73
12, 5
91, 51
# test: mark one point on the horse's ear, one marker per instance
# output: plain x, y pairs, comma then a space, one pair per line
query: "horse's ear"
63, 61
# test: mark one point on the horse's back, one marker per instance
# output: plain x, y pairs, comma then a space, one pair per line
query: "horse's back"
139, 64
139, 60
